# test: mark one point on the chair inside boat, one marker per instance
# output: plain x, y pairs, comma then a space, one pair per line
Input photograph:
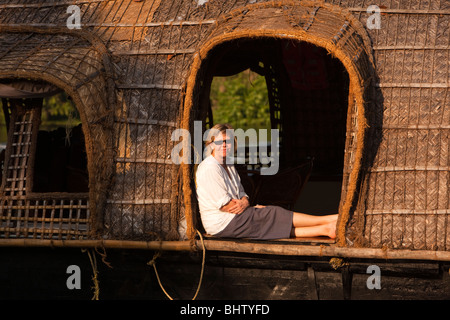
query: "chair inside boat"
282, 189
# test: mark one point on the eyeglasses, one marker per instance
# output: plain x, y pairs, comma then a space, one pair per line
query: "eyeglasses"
218, 143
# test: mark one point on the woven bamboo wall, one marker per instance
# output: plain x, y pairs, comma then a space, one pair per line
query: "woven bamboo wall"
407, 200
404, 201
322, 25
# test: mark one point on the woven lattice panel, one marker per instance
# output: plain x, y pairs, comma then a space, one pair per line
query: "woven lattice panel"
48, 215
407, 200
72, 64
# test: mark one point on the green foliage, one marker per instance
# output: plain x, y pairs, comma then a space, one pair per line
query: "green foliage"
57, 111
241, 100
58, 107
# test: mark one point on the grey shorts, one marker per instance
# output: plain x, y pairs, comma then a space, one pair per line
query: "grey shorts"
270, 222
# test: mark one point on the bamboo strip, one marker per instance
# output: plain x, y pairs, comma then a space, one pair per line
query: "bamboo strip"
78, 218
410, 168
58, 195
149, 86
409, 47
19, 155
52, 218
142, 160
49, 4
242, 247
412, 85
329, 251
417, 126
31, 206
407, 211
50, 230
119, 25
154, 52
147, 122
69, 223
139, 201
404, 11
17, 167
43, 218
16, 179
21, 144
113, 244
152, 24
352, 9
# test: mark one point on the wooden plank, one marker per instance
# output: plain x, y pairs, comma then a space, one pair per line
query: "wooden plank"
312, 284
243, 247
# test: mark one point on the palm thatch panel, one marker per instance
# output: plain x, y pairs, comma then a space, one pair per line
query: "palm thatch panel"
74, 65
321, 24
406, 205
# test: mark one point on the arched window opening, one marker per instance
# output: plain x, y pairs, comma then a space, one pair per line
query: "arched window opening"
60, 163
306, 91
44, 188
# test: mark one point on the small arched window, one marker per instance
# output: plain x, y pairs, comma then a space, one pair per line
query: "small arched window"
54, 180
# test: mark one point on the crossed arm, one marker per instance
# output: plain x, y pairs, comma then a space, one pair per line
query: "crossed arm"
236, 206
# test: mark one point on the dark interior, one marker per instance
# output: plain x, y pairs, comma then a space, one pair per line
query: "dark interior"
57, 153
308, 96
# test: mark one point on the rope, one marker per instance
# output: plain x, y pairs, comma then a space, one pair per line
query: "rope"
96, 286
103, 255
203, 266
153, 263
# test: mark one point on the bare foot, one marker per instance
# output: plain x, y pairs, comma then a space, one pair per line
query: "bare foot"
331, 230
332, 218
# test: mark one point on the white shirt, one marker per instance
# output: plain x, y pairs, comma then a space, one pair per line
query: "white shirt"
215, 188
